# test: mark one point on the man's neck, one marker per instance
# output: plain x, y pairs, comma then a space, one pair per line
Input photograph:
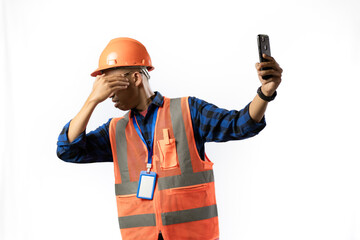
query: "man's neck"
145, 99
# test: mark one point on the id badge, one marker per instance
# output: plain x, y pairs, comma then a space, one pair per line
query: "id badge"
146, 185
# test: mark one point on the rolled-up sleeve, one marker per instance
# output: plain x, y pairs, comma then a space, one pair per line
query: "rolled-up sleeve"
86, 148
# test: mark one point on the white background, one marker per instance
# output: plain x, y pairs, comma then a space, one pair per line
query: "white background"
298, 179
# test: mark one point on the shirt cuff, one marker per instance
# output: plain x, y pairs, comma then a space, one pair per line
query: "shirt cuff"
255, 126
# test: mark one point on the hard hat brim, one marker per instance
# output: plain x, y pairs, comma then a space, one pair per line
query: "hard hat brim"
98, 71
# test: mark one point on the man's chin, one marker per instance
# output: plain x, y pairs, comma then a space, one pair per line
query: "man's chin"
123, 108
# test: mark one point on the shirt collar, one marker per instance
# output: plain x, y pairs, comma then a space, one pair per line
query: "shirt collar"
158, 101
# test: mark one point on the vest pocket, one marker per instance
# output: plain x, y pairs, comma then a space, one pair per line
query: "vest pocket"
127, 204
189, 197
131, 205
188, 189
168, 155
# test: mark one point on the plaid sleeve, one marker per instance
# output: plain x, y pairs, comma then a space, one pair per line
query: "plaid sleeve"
213, 124
86, 148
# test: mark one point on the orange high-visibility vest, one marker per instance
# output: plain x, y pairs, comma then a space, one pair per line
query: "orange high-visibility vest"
184, 204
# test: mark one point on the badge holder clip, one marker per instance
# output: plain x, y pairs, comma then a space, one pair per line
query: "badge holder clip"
148, 167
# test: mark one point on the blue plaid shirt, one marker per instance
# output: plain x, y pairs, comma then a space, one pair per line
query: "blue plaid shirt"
210, 124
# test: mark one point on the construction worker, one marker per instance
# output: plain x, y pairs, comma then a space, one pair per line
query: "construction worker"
164, 181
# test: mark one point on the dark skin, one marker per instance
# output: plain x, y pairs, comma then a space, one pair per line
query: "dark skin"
268, 86
128, 89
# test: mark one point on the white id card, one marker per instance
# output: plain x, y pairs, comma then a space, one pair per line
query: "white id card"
146, 185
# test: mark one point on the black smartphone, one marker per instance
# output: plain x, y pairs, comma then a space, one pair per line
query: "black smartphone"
264, 47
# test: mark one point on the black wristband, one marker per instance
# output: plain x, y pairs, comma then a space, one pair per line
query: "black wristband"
266, 98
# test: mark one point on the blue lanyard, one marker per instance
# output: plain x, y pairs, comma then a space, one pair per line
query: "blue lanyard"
150, 148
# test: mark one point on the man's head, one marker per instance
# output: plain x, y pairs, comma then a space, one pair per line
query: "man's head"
127, 58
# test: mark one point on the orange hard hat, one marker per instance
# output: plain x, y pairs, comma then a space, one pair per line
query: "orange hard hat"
123, 52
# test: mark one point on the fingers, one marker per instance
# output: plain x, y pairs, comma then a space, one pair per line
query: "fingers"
275, 80
116, 89
113, 85
271, 72
118, 84
114, 78
110, 83
270, 68
273, 65
274, 70
111, 77
268, 57
98, 77
118, 75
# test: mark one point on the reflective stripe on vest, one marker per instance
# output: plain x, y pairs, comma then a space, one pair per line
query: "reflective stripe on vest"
189, 215
182, 180
141, 220
121, 148
182, 147
126, 186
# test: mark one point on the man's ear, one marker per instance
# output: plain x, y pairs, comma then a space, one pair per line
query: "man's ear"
138, 79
